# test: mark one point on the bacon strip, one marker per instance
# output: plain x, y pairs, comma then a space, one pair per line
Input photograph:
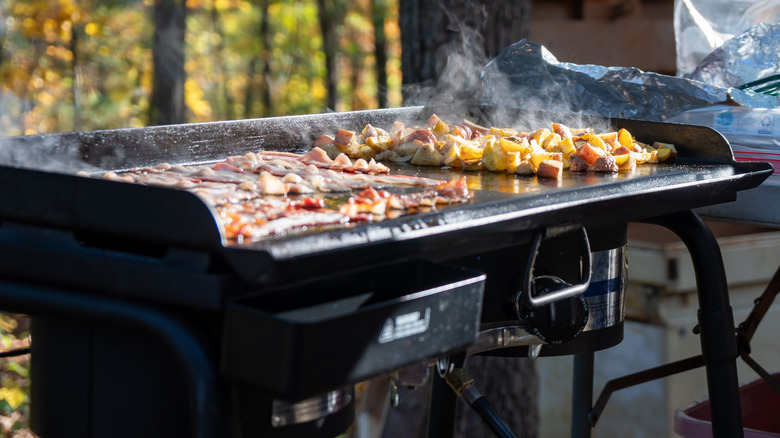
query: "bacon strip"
250, 192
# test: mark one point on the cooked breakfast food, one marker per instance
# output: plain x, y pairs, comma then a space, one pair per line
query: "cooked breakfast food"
266, 193
545, 152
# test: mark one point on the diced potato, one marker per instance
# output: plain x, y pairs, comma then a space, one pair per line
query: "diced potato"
663, 154
621, 159
524, 168
367, 152
472, 165
595, 140
535, 148
408, 148
561, 130
550, 169
494, 156
642, 157
670, 146
609, 137
332, 150
427, 155
451, 154
513, 159
628, 165
538, 157
550, 142
469, 151
511, 146
625, 138
540, 134
351, 149
502, 132
379, 142
589, 153
566, 146
652, 155
441, 128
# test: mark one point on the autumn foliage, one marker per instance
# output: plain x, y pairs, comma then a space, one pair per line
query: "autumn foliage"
70, 65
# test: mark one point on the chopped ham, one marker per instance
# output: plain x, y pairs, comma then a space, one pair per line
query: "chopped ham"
317, 155
577, 164
342, 160
605, 164
271, 185
344, 137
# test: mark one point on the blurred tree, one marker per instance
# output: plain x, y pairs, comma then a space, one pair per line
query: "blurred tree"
167, 100
84, 65
378, 16
331, 14
446, 43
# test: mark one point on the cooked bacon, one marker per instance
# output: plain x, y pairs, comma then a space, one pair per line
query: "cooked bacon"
342, 161
317, 155
271, 185
452, 192
251, 192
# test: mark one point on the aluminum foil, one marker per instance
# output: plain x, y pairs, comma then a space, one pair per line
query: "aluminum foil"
752, 55
526, 75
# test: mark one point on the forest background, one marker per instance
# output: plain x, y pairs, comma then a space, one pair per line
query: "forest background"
68, 65
81, 65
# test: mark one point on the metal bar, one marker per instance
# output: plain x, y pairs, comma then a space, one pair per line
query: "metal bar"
761, 306
639, 378
15, 352
716, 321
441, 418
199, 371
582, 395
768, 378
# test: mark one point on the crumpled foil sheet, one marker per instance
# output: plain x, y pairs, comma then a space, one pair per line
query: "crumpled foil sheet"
752, 55
526, 75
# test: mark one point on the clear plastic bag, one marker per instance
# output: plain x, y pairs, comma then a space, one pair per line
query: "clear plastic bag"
701, 26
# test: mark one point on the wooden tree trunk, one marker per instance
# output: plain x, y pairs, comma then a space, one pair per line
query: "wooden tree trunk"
378, 15
446, 43
327, 12
167, 101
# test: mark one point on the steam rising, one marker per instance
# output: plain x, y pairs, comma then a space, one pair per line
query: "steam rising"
466, 78
52, 152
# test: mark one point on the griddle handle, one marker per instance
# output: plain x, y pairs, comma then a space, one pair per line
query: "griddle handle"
561, 294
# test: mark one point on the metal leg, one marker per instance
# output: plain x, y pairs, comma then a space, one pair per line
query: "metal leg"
716, 321
582, 395
441, 419
199, 370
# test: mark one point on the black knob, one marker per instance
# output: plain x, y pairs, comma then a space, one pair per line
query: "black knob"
560, 321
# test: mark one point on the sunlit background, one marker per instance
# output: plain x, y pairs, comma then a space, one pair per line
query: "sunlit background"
68, 65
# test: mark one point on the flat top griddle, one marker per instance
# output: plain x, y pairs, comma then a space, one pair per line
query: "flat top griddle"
37, 187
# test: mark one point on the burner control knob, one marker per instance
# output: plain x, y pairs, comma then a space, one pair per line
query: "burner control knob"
560, 321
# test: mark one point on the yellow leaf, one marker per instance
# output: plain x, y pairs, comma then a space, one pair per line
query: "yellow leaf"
13, 396
91, 29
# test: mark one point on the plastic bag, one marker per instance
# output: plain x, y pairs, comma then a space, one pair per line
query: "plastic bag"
701, 26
